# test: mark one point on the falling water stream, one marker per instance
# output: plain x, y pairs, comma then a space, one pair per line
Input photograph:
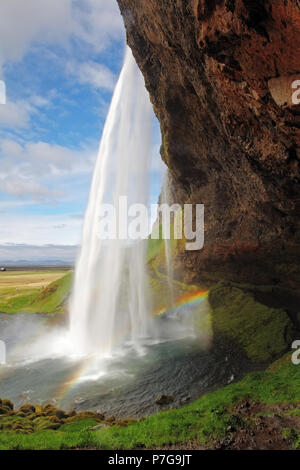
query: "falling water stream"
101, 317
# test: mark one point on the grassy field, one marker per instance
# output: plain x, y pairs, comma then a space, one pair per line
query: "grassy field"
34, 291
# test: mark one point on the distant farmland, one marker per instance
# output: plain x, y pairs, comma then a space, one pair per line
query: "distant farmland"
34, 290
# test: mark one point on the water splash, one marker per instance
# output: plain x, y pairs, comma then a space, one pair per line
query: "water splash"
109, 302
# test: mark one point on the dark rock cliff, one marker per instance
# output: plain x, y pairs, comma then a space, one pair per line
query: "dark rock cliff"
219, 73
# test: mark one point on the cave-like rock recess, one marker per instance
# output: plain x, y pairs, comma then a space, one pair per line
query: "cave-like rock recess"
220, 74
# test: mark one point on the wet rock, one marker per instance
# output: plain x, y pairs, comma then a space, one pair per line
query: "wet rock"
60, 414
164, 400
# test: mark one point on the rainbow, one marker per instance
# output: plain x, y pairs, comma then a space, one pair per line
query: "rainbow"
188, 300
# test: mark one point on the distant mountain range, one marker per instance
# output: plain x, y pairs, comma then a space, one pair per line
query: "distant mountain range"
31, 255
40, 262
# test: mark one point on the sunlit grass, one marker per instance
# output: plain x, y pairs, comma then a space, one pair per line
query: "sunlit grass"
33, 291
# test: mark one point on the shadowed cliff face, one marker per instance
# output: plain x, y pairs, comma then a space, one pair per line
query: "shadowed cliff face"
219, 74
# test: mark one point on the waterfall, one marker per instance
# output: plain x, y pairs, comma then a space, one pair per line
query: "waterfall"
109, 301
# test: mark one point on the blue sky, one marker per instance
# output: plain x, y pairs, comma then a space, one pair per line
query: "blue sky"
60, 60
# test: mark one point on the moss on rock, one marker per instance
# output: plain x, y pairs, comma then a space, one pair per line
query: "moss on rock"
261, 332
27, 409
6, 403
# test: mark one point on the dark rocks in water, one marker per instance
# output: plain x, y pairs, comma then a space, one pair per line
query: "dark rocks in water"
49, 409
6, 403
30, 418
164, 400
60, 414
6, 406
27, 409
219, 76
4, 410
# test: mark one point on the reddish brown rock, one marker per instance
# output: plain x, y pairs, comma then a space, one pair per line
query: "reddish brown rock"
218, 73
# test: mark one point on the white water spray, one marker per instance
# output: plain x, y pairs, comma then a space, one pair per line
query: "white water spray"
109, 300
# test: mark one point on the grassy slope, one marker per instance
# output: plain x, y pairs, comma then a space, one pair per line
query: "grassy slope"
51, 298
201, 422
47, 300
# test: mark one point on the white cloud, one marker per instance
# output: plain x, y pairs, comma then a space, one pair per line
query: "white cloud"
39, 101
94, 74
24, 23
30, 169
24, 187
42, 158
97, 22
11, 148
56, 160
40, 229
18, 114
14, 115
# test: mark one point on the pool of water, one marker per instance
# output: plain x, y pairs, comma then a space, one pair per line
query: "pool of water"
177, 362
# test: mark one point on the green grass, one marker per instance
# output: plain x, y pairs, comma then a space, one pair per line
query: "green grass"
51, 298
68, 436
203, 421
37, 300
154, 247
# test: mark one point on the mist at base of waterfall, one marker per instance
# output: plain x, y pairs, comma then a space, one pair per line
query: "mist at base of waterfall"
123, 384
